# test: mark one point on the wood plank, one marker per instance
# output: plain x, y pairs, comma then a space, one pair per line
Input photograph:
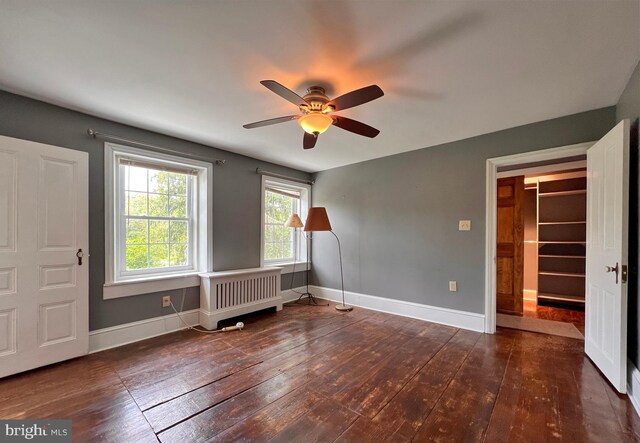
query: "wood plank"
272, 419
463, 411
400, 419
173, 411
217, 419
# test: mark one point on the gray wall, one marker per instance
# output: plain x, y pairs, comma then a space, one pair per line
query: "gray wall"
397, 217
236, 199
629, 107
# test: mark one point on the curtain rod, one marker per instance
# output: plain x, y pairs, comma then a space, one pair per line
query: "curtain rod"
275, 174
96, 134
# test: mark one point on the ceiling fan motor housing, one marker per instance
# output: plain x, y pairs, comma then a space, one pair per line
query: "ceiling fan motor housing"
316, 98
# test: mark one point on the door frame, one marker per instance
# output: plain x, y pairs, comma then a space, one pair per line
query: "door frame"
491, 214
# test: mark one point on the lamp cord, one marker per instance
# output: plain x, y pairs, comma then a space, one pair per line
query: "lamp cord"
341, 274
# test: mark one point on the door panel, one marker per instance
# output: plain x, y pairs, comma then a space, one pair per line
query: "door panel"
43, 292
8, 200
607, 225
510, 247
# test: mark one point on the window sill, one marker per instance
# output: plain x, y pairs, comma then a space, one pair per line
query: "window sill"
287, 267
148, 285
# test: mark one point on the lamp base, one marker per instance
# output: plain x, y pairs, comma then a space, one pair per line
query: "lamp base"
311, 300
344, 308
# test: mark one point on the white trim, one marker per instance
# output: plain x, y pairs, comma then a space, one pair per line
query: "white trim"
203, 244
633, 385
543, 169
491, 215
305, 204
120, 335
451, 317
287, 268
149, 285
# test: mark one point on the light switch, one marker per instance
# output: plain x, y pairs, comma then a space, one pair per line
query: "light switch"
453, 286
464, 225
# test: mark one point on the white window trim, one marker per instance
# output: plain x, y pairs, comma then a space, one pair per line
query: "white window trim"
305, 202
203, 254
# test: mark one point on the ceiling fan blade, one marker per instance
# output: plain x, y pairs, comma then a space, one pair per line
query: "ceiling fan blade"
357, 97
309, 140
271, 121
284, 92
354, 126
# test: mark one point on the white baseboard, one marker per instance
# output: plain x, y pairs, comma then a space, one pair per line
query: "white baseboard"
633, 385
445, 316
530, 294
120, 335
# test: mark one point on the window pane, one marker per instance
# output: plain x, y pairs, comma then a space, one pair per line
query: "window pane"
136, 203
135, 178
159, 256
179, 232
178, 206
158, 181
269, 251
179, 255
158, 205
158, 231
136, 257
136, 232
177, 184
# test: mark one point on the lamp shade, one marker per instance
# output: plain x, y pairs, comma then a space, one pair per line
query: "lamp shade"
293, 221
317, 220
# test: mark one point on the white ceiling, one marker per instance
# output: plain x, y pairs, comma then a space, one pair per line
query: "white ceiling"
450, 69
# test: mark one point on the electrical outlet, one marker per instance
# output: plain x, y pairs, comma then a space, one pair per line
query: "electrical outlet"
166, 301
464, 225
453, 286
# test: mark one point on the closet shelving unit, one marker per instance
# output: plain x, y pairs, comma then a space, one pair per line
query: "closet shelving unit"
562, 240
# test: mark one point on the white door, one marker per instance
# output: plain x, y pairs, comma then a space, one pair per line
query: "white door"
607, 220
44, 296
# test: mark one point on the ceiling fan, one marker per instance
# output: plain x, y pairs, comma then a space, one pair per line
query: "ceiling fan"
316, 109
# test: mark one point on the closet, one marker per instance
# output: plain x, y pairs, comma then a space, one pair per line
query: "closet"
560, 239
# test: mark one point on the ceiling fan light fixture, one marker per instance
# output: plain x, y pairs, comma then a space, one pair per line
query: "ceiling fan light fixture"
315, 122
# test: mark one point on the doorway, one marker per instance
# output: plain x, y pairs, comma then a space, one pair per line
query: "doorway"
541, 215
513, 162
606, 247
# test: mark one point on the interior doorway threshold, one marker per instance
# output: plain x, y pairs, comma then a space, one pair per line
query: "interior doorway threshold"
550, 327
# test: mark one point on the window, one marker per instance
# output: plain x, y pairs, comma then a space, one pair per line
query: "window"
281, 198
158, 218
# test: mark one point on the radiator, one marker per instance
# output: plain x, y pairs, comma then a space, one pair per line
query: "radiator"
228, 294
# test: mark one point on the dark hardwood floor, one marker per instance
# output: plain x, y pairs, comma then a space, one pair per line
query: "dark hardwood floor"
314, 374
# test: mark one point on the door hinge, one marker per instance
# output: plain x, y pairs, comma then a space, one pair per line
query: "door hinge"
624, 273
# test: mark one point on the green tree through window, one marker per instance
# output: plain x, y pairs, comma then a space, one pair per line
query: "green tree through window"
156, 218
280, 243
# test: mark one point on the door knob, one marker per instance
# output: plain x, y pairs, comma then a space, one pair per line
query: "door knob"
613, 269
79, 254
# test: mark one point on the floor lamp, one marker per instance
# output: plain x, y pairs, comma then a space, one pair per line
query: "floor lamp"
294, 222
318, 220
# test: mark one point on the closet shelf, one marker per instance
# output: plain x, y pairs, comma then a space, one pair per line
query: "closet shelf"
560, 297
561, 256
563, 223
562, 242
562, 193
562, 274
